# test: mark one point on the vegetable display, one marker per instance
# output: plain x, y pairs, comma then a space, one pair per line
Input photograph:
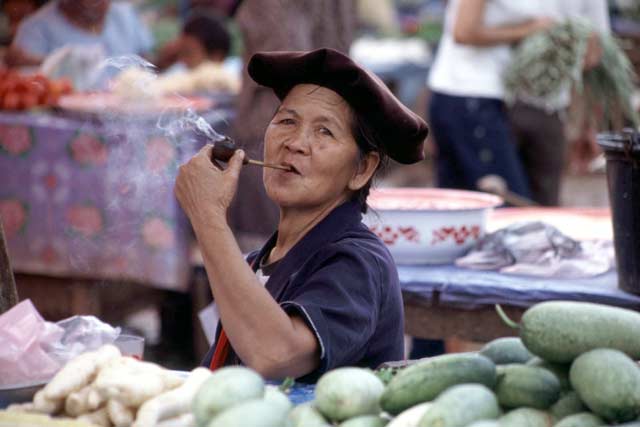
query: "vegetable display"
591, 379
23, 92
547, 65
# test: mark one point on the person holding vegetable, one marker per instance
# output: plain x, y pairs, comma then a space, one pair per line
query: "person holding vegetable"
113, 26
323, 291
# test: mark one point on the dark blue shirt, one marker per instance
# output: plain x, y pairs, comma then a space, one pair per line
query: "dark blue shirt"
340, 278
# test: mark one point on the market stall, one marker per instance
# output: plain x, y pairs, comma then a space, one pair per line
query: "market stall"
88, 195
75, 188
443, 300
545, 376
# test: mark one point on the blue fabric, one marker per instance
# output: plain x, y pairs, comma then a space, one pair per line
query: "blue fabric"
473, 139
48, 29
299, 392
343, 281
468, 289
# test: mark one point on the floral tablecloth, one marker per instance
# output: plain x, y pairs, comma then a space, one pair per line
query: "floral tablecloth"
94, 199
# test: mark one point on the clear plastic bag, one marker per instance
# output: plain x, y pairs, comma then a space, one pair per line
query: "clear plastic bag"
539, 249
81, 334
33, 349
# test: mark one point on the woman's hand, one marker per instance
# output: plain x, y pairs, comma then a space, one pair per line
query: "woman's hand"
204, 190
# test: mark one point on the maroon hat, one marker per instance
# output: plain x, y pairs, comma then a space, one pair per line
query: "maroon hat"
402, 132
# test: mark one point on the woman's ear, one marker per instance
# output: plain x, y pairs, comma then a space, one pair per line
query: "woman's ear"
366, 168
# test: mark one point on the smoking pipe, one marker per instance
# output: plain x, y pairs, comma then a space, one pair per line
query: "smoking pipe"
223, 150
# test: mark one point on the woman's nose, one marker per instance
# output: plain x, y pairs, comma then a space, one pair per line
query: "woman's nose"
297, 143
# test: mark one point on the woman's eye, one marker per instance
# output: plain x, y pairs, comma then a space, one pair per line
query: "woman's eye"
286, 121
325, 131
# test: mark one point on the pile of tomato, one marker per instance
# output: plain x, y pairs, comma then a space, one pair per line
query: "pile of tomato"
23, 92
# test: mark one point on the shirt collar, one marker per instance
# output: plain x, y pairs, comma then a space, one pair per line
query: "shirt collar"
329, 229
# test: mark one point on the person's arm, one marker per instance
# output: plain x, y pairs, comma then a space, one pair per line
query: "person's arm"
598, 15
29, 47
469, 27
261, 333
16, 57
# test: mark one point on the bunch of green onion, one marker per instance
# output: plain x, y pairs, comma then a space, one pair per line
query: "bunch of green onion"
549, 63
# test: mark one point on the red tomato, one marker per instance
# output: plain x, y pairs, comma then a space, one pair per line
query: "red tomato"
11, 101
66, 85
29, 100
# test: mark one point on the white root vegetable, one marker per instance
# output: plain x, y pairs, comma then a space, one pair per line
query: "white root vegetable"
133, 382
172, 403
100, 418
44, 405
95, 398
21, 407
79, 372
171, 380
184, 420
76, 402
119, 414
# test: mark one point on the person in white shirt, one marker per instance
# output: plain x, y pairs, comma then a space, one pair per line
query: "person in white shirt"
467, 110
540, 134
114, 26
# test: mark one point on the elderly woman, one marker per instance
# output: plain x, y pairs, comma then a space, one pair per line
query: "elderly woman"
323, 291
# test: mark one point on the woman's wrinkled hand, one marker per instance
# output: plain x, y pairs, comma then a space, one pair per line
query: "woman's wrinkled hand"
204, 190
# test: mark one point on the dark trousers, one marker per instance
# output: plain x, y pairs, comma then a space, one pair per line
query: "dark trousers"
542, 146
474, 139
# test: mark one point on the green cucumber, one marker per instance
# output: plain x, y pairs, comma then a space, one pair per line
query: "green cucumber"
526, 417
506, 350
306, 415
582, 419
461, 405
631, 424
225, 388
608, 382
254, 413
426, 379
568, 404
560, 331
524, 385
274, 395
365, 421
560, 370
485, 423
348, 392
410, 417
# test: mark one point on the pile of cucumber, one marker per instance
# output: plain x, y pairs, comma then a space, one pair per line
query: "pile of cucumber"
573, 365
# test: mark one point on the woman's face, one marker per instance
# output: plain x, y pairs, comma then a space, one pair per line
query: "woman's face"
311, 132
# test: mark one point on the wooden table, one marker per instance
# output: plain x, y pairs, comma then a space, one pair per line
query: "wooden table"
446, 301
432, 320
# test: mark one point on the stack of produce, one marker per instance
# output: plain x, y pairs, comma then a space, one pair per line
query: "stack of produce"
23, 92
548, 64
103, 388
573, 365
143, 84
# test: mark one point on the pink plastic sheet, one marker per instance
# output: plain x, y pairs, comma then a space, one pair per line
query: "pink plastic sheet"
24, 339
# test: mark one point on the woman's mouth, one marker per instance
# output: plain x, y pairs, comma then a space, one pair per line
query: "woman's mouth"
292, 168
